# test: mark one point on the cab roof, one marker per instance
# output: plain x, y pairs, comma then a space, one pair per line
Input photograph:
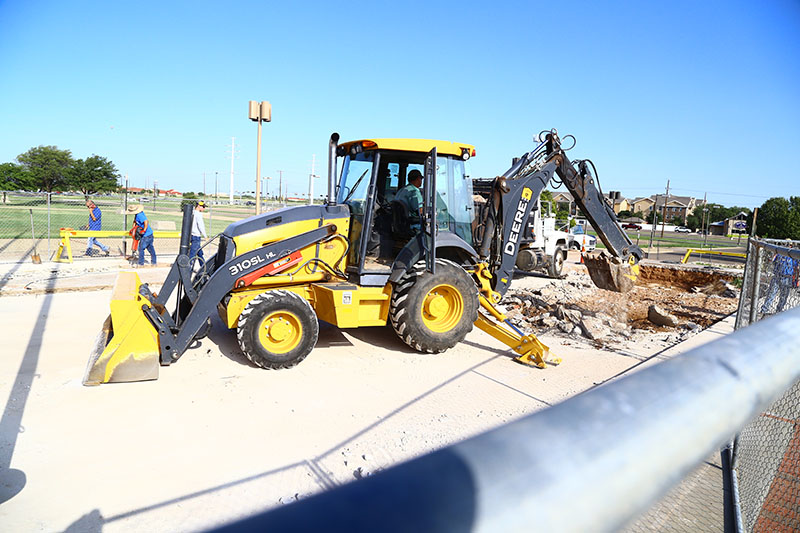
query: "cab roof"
413, 145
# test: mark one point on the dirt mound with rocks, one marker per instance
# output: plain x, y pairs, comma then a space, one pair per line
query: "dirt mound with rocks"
667, 303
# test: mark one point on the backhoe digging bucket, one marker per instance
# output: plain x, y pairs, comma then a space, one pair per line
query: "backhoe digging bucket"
127, 347
610, 273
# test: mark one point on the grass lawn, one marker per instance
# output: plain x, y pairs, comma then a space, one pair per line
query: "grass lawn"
678, 240
70, 211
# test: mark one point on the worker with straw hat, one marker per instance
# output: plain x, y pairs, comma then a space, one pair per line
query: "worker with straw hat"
144, 231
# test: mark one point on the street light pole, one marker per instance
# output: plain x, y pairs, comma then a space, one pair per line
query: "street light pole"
216, 187
259, 113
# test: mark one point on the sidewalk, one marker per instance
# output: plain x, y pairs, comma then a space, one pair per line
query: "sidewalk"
84, 275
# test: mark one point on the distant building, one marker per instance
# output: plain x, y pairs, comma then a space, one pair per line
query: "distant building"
735, 224
564, 200
620, 204
677, 206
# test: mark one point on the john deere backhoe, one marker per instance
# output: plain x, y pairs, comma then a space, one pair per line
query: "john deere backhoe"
355, 261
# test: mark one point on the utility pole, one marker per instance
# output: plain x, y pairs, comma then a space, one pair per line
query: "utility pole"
311, 180
753, 229
703, 220
233, 153
204, 185
259, 112
653, 225
664, 215
216, 186
280, 185
155, 193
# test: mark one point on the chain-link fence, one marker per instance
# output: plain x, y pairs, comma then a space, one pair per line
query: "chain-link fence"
31, 223
765, 456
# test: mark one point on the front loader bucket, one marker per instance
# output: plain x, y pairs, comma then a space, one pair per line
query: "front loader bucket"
127, 348
610, 273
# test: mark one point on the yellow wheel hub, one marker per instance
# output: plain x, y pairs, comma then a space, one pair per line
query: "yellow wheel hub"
280, 332
442, 308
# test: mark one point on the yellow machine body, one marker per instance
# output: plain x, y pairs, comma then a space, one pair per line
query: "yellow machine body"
344, 305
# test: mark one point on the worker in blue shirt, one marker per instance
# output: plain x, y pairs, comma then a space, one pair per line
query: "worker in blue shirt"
144, 231
95, 224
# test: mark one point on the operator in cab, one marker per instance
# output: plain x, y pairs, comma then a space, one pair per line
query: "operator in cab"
411, 197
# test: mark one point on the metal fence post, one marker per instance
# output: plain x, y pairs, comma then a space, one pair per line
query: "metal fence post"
748, 271
756, 283
48, 223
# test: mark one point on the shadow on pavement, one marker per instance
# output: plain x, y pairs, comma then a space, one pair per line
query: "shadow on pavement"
93, 521
13, 481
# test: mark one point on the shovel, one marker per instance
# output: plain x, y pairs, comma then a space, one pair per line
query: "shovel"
34, 256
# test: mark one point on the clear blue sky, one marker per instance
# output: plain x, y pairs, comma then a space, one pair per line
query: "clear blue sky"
704, 94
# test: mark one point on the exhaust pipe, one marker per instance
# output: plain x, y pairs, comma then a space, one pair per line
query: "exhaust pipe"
333, 144
186, 229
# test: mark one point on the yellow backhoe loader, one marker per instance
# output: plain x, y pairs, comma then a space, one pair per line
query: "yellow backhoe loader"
360, 259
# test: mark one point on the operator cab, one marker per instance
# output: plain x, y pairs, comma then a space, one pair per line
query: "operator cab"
373, 172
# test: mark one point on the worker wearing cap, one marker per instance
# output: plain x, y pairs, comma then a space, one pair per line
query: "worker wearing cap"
411, 197
198, 230
142, 228
95, 224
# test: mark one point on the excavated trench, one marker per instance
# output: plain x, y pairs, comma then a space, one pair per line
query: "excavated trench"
671, 301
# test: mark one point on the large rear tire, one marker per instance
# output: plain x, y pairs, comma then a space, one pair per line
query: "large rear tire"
277, 329
434, 312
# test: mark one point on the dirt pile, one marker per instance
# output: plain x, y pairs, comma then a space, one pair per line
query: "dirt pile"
668, 304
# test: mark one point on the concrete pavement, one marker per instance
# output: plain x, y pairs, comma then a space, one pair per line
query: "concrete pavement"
216, 439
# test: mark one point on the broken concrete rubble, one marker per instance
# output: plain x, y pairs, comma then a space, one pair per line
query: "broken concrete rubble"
574, 307
660, 317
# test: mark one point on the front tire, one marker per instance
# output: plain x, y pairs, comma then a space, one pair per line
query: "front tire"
556, 265
434, 312
277, 329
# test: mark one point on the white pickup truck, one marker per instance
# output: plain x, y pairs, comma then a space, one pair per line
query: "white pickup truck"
543, 247
581, 240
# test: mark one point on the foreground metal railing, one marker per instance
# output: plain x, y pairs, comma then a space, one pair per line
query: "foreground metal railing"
591, 463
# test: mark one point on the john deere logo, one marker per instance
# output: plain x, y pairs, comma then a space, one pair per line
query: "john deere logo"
519, 219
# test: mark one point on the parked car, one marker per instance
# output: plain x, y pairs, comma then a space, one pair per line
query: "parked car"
631, 225
580, 240
682, 229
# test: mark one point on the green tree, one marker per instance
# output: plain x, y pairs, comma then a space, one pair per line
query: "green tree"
779, 218
94, 174
794, 218
14, 178
48, 167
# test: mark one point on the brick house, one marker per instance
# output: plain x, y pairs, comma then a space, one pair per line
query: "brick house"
677, 206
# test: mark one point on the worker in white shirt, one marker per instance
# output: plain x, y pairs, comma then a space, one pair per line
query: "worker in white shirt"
198, 230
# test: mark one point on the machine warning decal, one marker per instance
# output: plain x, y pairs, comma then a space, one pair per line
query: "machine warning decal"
347, 298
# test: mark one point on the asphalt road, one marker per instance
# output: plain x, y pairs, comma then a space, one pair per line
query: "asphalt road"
672, 247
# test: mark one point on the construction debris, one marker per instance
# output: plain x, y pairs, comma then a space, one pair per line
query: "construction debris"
659, 317
668, 305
